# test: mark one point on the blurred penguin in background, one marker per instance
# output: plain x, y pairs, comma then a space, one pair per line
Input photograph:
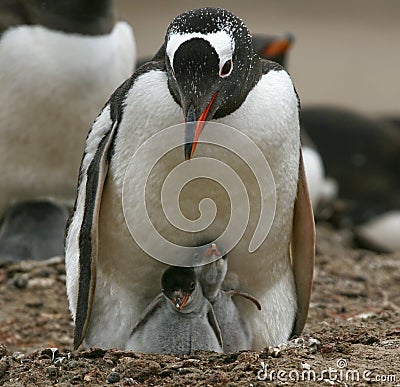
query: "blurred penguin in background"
352, 164
363, 156
59, 63
322, 190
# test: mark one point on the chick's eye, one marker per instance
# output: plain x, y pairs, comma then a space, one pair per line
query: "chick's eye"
226, 68
192, 286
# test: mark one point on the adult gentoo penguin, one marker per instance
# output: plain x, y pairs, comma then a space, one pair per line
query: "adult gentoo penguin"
59, 62
209, 72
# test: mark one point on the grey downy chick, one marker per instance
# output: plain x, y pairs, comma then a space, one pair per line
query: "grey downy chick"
236, 335
179, 321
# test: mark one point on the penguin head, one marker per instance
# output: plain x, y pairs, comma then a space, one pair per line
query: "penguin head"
212, 275
273, 47
211, 67
179, 285
85, 17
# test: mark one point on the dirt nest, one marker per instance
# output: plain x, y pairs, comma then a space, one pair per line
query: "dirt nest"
352, 336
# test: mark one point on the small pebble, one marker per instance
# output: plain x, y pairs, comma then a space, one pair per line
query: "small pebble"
313, 341
20, 282
34, 304
306, 366
114, 377
18, 356
59, 360
52, 371
72, 364
3, 276
130, 382
41, 283
4, 367
87, 378
3, 350
50, 353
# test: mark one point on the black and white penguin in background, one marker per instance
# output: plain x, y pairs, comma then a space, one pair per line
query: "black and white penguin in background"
362, 154
322, 189
59, 62
351, 161
209, 72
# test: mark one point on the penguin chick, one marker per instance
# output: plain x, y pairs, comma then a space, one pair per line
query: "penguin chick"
236, 335
179, 321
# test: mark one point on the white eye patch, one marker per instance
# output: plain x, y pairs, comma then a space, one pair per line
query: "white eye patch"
221, 41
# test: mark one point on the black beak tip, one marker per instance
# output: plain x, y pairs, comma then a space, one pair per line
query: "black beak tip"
188, 151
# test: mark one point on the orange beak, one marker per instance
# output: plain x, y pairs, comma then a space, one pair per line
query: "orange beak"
212, 250
276, 48
192, 136
180, 303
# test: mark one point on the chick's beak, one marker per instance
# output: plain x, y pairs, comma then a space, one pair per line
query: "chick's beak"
180, 302
212, 250
194, 126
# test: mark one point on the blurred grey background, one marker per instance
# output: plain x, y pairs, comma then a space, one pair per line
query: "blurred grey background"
346, 52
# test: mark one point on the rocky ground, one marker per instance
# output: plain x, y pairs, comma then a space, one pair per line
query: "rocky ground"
352, 336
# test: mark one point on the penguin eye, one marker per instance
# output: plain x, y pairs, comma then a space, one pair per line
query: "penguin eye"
226, 69
192, 286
